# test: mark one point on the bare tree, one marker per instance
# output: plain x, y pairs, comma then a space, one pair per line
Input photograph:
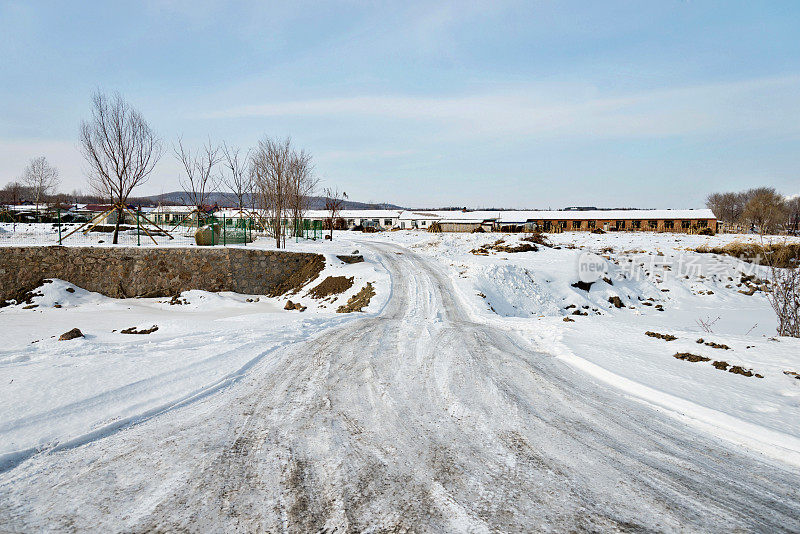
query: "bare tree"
13, 193
270, 166
765, 209
727, 207
302, 183
237, 177
793, 215
41, 178
334, 203
198, 180
784, 296
120, 148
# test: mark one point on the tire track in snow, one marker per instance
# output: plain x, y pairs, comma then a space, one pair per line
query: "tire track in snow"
416, 420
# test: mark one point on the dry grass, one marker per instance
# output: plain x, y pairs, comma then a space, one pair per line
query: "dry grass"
782, 255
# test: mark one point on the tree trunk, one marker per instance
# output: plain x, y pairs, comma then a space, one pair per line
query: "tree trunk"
116, 226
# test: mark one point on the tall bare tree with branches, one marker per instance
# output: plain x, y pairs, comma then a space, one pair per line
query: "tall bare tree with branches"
270, 166
120, 148
41, 178
198, 180
334, 204
236, 176
302, 183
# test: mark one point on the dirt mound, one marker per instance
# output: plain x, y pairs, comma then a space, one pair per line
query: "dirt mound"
333, 285
359, 301
305, 274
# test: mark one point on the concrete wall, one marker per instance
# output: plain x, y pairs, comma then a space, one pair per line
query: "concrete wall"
152, 272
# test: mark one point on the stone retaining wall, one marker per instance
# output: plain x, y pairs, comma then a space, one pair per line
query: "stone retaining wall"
152, 272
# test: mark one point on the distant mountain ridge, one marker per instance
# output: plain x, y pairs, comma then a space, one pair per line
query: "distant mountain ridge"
229, 200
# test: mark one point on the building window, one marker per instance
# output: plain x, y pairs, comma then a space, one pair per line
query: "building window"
636, 224
620, 225
387, 222
547, 226
702, 224
591, 224
669, 225
686, 224
576, 225
653, 224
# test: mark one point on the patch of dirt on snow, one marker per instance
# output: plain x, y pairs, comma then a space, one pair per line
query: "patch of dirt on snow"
133, 330
305, 274
359, 301
333, 285
351, 258
689, 357
665, 337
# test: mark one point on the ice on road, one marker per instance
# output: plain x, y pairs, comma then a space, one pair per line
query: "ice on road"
414, 419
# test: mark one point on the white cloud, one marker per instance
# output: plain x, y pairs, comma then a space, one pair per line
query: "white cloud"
768, 105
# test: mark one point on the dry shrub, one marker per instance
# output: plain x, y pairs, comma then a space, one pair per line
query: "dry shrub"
538, 238
772, 254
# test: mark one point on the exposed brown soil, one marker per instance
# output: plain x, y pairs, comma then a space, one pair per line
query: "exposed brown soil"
305, 274
585, 286
722, 366
689, 357
712, 344
665, 337
792, 374
332, 285
351, 258
133, 330
498, 246
568, 320
359, 301
72, 334
616, 301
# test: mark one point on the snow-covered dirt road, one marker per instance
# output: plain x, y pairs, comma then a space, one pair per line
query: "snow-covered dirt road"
416, 419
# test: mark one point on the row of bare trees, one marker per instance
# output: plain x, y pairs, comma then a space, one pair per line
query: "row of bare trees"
762, 209
273, 180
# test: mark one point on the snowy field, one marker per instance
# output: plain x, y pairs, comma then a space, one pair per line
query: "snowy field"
532, 293
59, 394
460, 401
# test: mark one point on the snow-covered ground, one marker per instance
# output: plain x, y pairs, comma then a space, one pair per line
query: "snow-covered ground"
532, 293
461, 401
60, 394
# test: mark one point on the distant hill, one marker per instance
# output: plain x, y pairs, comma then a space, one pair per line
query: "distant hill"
229, 200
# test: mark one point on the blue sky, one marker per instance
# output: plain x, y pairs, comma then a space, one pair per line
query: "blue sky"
514, 104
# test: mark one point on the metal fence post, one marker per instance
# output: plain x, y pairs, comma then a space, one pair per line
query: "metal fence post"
224, 231
58, 211
138, 227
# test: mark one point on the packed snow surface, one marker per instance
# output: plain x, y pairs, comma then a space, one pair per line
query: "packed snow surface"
461, 401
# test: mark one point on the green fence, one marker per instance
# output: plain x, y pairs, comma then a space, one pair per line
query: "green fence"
138, 229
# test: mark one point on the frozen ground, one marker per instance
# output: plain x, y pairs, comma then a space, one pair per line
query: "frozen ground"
441, 409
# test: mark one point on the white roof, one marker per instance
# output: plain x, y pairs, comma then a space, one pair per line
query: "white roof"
354, 214
522, 216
